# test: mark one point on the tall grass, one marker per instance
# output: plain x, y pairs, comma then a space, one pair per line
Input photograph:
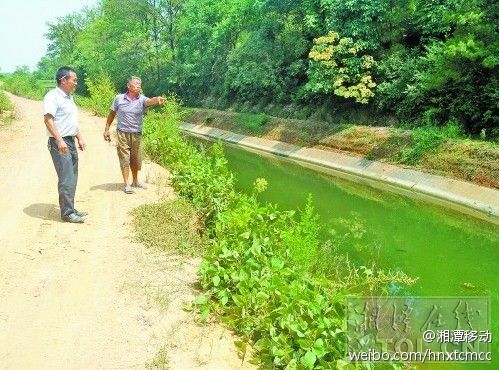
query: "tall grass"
426, 140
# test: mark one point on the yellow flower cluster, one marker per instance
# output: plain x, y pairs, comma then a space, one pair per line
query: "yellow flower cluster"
321, 54
328, 39
360, 92
367, 61
337, 58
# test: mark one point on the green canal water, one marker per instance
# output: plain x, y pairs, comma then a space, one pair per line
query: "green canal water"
452, 254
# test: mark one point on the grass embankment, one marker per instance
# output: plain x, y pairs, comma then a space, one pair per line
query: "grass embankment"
262, 269
441, 151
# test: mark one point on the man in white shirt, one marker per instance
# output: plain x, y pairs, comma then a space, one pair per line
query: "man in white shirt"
61, 120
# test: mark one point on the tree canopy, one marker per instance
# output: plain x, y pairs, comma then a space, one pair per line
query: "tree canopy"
425, 62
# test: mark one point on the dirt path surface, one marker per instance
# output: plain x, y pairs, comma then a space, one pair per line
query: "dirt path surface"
86, 296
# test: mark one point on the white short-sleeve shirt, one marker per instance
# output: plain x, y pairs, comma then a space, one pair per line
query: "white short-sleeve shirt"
63, 108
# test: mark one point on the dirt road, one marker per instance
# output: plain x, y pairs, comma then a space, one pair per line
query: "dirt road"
86, 296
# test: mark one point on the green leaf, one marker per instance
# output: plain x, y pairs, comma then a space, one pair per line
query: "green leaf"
308, 360
205, 313
200, 300
245, 235
216, 280
304, 343
319, 348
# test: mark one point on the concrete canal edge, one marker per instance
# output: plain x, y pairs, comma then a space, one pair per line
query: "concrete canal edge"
475, 200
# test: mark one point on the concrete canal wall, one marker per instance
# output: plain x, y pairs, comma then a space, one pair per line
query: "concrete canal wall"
459, 195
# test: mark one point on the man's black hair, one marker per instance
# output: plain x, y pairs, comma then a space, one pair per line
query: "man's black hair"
63, 72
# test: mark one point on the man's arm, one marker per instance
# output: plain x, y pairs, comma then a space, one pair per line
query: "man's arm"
157, 100
110, 119
49, 123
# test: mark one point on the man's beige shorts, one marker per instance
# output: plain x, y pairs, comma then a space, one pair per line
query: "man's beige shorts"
129, 149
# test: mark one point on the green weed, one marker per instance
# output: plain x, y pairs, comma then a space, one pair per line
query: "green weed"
160, 361
253, 122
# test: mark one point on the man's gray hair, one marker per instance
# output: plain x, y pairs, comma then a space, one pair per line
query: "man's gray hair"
134, 78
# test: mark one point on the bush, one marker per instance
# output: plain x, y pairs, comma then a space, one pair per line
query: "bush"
5, 104
102, 94
6, 107
23, 83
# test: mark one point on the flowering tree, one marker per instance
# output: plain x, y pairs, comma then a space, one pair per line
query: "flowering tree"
335, 66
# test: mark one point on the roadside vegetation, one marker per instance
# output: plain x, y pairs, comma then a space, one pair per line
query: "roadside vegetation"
172, 226
369, 71
7, 114
262, 272
24, 83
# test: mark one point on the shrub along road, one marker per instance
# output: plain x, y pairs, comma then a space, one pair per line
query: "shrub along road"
88, 296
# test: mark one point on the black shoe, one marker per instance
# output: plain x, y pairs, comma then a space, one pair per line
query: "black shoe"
73, 218
81, 213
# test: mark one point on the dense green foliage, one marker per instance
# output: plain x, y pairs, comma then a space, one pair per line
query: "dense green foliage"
101, 95
24, 83
7, 114
256, 272
427, 63
5, 104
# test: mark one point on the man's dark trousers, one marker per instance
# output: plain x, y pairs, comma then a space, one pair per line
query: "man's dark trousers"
66, 166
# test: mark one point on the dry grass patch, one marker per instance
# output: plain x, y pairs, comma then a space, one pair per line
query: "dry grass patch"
170, 226
468, 160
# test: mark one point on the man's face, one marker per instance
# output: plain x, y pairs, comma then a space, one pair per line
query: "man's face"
69, 83
134, 87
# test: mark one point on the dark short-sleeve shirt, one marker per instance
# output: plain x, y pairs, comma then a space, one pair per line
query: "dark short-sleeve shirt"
130, 112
